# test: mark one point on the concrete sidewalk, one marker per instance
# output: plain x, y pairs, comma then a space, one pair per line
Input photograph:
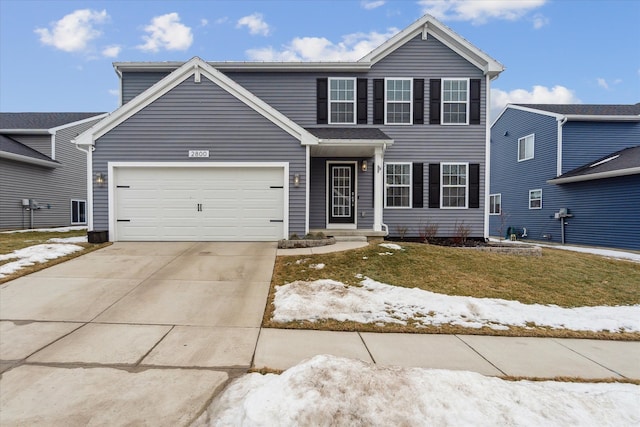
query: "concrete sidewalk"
493, 356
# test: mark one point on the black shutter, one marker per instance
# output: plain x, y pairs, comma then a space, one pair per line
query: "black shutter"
418, 185
362, 101
474, 185
378, 101
418, 101
434, 185
434, 102
322, 92
474, 107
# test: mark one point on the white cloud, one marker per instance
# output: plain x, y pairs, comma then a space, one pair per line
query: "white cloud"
539, 21
352, 47
602, 83
479, 12
204, 22
111, 51
74, 31
166, 32
222, 20
255, 23
538, 95
372, 4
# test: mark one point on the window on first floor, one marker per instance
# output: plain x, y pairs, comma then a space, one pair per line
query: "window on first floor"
397, 188
454, 186
398, 97
78, 211
455, 101
342, 100
535, 199
495, 204
525, 148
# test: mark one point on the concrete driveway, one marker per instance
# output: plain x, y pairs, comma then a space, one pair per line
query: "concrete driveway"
136, 333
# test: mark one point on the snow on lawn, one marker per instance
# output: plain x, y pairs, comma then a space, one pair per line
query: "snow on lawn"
77, 239
48, 230
375, 302
391, 246
328, 390
38, 253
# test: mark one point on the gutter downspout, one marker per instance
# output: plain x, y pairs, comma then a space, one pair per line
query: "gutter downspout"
88, 151
487, 157
561, 123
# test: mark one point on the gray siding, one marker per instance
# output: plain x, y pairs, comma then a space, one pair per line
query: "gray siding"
605, 210
133, 84
200, 116
41, 143
54, 188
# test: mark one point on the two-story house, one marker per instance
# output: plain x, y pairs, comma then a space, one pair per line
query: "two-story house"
567, 173
263, 150
43, 176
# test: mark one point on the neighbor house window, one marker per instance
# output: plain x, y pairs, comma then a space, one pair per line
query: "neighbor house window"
78, 211
342, 101
398, 96
525, 148
397, 188
455, 101
495, 204
535, 199
454, 185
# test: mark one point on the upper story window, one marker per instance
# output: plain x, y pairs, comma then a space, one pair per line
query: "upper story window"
454, 186
495, 204
525, 147
342, 101
398, 97
397, 188
455, 101
535, 199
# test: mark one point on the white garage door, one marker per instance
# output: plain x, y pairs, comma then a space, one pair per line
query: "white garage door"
199, 203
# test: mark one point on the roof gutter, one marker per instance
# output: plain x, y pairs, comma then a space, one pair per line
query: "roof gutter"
26, 159
592, 176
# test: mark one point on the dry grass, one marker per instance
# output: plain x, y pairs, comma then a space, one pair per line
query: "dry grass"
13, 241
564, 278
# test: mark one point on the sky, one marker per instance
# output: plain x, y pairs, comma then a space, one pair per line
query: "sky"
58, 55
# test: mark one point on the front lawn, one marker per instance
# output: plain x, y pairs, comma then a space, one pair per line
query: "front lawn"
23, 241
562, 278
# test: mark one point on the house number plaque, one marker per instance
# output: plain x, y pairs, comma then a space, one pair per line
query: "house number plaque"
198, 153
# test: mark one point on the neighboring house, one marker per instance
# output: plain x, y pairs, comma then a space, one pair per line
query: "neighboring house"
43, 175
582, 158
260, 151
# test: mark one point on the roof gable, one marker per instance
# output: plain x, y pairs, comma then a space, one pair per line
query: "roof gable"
14, 150
197, 68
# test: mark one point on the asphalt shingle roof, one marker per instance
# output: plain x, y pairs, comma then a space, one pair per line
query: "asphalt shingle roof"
349, 133
40, 120
588, 109
10, 145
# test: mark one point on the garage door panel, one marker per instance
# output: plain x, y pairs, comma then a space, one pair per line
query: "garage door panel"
200, 204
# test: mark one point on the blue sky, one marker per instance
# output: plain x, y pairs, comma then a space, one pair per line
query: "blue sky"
57, 55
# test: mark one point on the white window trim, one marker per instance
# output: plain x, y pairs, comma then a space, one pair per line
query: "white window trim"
534, 190
442, 101
410, 186
410, 101
355, 100
533, 143
442, 186
491, 205
85, 211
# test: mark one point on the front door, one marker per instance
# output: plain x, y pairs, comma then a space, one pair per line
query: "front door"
342, 193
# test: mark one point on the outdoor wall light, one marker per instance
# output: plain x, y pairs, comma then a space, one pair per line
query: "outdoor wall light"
364, 166
296, 180
101, 179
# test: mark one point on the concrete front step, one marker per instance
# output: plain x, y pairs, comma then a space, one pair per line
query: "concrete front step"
350, 238
350, 235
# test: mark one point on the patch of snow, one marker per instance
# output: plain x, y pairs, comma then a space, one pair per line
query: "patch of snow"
365, 257
328, 390
302, 261
374, 302
77, 239
391, 246
48, 230
35, 254
608, 253
317, 266
385, 253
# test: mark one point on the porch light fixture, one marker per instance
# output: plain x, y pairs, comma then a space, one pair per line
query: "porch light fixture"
296, 180
364, 166
101, 179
